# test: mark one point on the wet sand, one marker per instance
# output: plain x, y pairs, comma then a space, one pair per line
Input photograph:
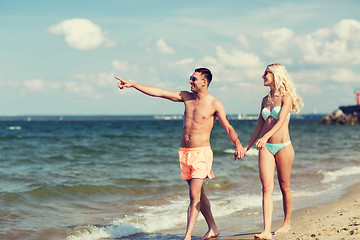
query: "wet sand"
339, 219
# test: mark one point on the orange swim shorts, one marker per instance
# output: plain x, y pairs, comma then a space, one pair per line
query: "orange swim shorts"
196, 163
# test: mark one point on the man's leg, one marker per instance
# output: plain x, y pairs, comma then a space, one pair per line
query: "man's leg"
205, 209
195, 186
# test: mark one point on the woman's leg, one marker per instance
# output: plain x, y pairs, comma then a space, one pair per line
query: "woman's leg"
284, 161
266, 172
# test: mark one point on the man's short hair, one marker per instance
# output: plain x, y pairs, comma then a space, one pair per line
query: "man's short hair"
206, 73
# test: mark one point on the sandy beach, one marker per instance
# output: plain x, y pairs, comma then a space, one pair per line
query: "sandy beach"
339, 219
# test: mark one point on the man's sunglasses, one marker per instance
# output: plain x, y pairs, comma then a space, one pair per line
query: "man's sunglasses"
192, 78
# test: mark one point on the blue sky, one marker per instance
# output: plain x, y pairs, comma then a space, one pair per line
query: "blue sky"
60, 57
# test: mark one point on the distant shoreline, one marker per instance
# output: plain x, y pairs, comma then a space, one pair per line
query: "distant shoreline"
314, 117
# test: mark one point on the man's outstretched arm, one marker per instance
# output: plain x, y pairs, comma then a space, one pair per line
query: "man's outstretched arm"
150, 90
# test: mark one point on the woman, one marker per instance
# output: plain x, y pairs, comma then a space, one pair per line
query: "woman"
274, 145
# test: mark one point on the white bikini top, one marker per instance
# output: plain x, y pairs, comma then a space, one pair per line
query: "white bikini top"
265, 112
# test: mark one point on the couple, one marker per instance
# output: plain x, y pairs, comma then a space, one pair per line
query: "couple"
196, 156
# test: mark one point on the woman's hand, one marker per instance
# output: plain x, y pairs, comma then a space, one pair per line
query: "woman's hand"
260, 143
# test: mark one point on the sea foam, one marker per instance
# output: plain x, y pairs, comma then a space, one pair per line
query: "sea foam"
343, 172
91, 232
14, 128
156, 218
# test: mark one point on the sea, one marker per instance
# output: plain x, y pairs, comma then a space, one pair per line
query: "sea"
118, 177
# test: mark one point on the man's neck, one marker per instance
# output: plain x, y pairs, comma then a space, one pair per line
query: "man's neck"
201, 94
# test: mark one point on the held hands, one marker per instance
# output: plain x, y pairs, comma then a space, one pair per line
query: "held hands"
260, 143
240, 152
122, 83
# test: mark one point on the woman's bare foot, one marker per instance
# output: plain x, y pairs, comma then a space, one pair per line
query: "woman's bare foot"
263, 236
283, 229
211, 234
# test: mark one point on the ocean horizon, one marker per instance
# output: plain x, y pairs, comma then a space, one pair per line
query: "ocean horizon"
108, 117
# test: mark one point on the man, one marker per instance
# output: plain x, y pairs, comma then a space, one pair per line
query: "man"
195, 154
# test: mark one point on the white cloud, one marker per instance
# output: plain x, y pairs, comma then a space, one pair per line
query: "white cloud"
309, 89
344, 75
106, 80
238, 58
36, 85
213, 64
9, 83
236, 66
338, 45
81, 34
91, 86
82, 89
209, 60
100, 80
125, 67
39, 85
317, 51
348, 29
286, 61
279, 40
309, 75
182, 62
162, 47
242, 40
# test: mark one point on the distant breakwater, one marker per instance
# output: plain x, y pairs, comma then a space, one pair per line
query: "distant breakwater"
344, 115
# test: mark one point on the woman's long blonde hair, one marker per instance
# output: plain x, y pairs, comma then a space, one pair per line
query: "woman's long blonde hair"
284, 85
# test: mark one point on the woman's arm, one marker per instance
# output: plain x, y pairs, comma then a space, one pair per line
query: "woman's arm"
257, 130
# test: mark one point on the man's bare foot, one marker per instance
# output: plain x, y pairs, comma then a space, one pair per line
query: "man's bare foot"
283, 229
211, 234
263, 236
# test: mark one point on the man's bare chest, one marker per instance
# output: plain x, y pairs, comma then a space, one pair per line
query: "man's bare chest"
199, 111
